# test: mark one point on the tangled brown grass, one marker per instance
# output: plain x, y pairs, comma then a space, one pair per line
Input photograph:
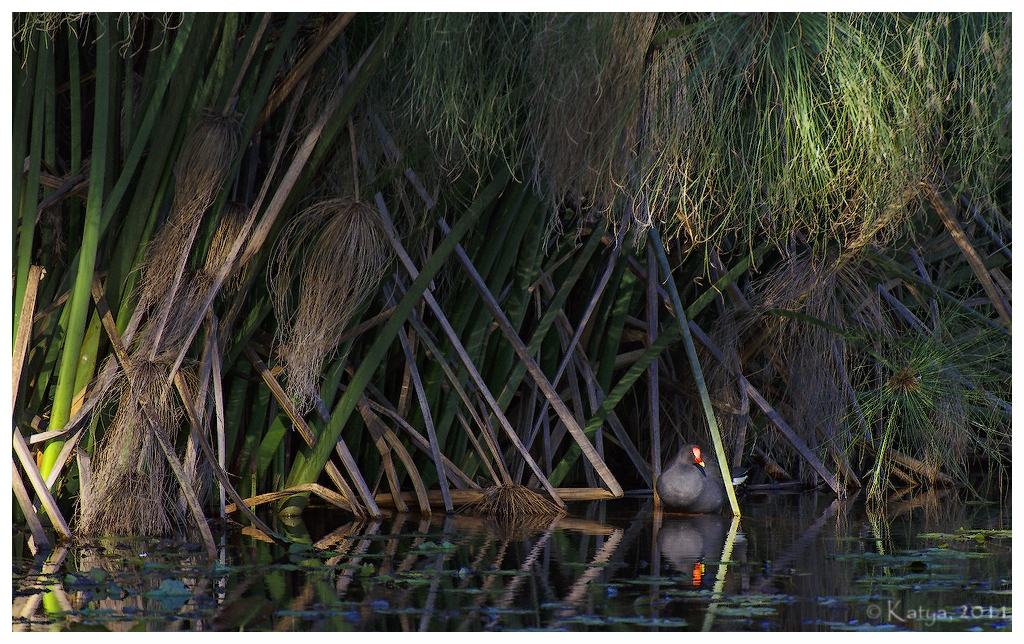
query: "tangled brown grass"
512, 503
337, 252
232, 220
130, 491
202, 168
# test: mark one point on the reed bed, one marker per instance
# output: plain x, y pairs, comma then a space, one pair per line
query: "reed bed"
829, 192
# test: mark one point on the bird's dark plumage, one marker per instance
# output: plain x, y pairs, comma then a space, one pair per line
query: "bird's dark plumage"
691, 484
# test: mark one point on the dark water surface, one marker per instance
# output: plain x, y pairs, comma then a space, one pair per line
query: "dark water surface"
795, 562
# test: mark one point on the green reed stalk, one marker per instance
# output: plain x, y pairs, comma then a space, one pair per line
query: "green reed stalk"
50, 111
81, 293
24, 88
698, 374
30, 196
75, 103
128, 92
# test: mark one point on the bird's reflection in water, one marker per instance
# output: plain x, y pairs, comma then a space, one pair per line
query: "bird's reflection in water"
690, 541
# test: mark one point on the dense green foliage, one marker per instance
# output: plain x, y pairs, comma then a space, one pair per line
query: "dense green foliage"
833, 192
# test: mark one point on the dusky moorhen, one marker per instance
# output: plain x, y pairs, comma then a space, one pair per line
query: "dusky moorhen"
692, 485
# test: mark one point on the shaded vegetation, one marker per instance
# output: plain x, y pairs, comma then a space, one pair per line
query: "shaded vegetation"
387, 254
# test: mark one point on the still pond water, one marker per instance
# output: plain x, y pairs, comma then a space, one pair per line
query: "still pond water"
794, 562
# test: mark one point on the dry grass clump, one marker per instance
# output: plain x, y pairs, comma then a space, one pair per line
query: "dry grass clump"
204, 163
132, 489
512, 502
131, 492
232, 219
337, 252
165, 346
202, 169
158, 267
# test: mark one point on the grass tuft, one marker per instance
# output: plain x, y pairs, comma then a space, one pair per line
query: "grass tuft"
337, 253
131, 491
512, 501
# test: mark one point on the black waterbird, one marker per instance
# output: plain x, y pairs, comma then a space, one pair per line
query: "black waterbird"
691, 485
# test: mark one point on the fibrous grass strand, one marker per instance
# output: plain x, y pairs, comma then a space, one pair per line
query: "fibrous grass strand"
337, 253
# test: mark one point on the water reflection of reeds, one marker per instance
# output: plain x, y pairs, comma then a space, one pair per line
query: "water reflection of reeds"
796, 562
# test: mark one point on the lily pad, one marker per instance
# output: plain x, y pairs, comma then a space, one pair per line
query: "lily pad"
968, 535
745, 611
429, 547
172, 594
